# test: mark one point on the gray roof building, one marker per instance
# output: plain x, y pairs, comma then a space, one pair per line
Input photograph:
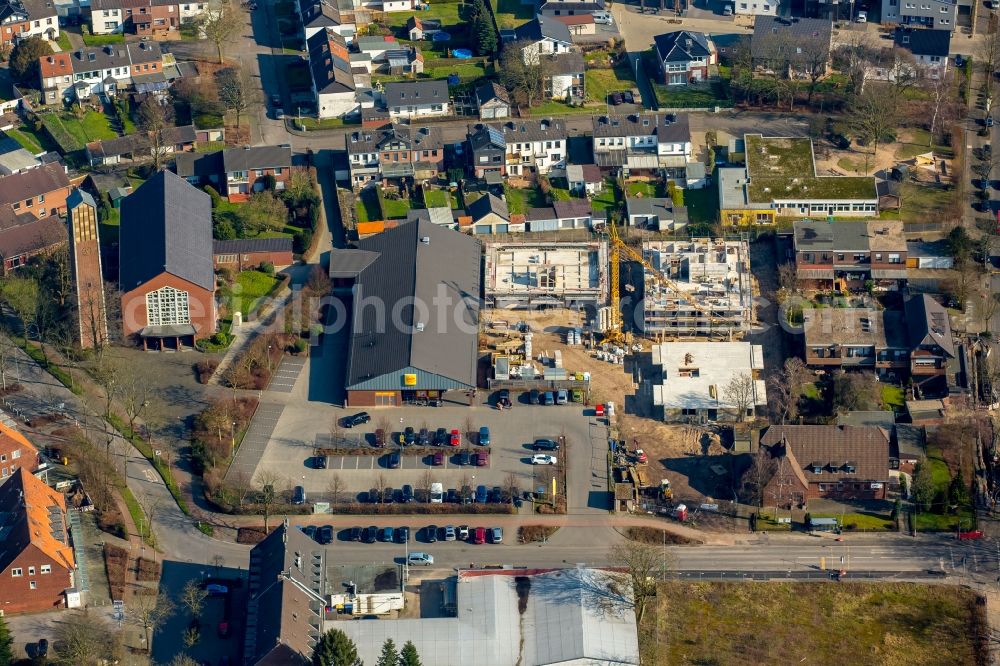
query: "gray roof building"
485, 205
928, 324
423, 269
777, 39
543, 27
416, 93
250, 245
520, 131
667, 128
682, 46
228, 160
923, 41
330, 72
166, 227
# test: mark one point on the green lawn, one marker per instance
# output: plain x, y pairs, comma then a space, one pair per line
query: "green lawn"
702, 205
936, 522
601, 82
210, 146
253, 286
892, 397
681, 97
27, 140
605, 200
393, 208
103, 40
555, 108
367, 206
467, 71
512, 13
436, 198
326, 123
92, 127
645, 189
63, 42
869, 522
519, 201
446, 12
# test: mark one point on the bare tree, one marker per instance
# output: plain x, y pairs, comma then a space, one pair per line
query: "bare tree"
511, 485
152, 118
523, 71
335, 487
987, 56
83, 638
426, 479
237, 91
380, 484
149, 612
336, 432
108, 377
220, 25
785, 387
150, 505
740, 393
135, 391
646, 565
191, 636
193, 598
7, 355
873, 113
467, 426
943, 102
182, 660
756, 477
267, 481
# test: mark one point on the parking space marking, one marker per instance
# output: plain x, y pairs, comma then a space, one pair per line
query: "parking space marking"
287, 373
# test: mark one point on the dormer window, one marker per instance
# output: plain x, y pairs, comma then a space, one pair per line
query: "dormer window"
850, 468
815, 468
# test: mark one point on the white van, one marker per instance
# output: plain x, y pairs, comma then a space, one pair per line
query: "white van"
437, 493
603, 18
414, 559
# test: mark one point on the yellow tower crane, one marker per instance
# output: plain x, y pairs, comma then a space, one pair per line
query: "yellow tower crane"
618, 251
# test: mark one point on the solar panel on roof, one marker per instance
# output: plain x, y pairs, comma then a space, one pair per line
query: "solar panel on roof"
495, 135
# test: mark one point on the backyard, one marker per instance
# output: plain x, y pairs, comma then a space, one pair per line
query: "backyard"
520, 200
512, 13
248, 290
602, 82
102, 40
814, 623
73, 133
372, 205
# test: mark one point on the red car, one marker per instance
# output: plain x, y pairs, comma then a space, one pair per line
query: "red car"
456, 438
479, 535
974, 534
438, 459
482, 459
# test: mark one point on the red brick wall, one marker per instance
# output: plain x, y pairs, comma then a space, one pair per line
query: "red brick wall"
369, 399
201, 304
16, 595
9, 464
54, 204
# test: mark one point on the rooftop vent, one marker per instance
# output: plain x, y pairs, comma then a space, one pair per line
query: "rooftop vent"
426, 240
419, 326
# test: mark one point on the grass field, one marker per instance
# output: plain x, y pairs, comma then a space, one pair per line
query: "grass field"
645, 189
606, 199
868, 522
63, 41
892, 396
512, 13
702, 205
27, 140
367, 206
555, 108
519, 201
601, 82
437, 199
252, 287
811, 623
446, 12
103, 40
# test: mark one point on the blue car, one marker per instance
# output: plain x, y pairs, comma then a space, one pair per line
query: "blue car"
549, 398
481, 495
484, 436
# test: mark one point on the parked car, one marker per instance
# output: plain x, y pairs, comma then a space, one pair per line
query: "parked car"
392, 460
576, 395
417, 559
370, 534
387, 535
388, 496
309, 531
440, 437
223, 629
424, 437
627, 97
496, 534
456, 438
463, 532
545, 445
276, 101
216, 590
464, 458
437, 493
402, 534
534, 397
409, 436
482, 459
543, 459
355, 534
431, 533
319, 462
862, 17
549, 398
562, 397
503, 399
989, 121
452, 497
374, 496
616, 98
438, 458
479, 535
299, 495
481, 495
449, 533
324, 535
406, 494
497, 495
42, 648
355, 419
484, 436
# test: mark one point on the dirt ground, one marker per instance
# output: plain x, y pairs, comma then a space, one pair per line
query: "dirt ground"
855, 160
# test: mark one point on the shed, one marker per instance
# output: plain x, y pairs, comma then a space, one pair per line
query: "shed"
116, 194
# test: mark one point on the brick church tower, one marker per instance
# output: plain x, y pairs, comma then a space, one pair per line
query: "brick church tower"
85, 258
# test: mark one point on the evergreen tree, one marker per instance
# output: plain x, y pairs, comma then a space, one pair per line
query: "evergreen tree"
486, 36
409, 656
335, 649
389, 657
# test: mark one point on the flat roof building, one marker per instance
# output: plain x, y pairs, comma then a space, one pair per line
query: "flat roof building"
712, 274
557, 273
694, 379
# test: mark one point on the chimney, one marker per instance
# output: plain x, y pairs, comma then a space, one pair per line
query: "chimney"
689, 43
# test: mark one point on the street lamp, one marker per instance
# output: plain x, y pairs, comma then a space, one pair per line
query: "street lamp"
232, 434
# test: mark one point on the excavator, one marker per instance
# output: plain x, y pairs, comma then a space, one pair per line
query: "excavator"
619, 252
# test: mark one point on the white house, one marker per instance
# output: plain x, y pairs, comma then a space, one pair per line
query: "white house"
317, 15
417, 99
929, 48
535, 145
543, 35
333, 82
20, 19
648, 143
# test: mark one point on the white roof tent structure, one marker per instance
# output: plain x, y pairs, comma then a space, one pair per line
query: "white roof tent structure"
574, 617
695, 376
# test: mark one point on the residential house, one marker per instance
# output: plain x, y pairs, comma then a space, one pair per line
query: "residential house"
936, 14
835, 462
236, 173
780, 179
41, 192
651, 144
416, 99
796, 48
493, 101
564, 8
21, 19
585, 179
141, 147
414, 261
249, 253
404, 61
488, 150
850, 255
56, 74
87, 270
165, 266
375, 46
933, 352
543, 36
856, 338
490, 216
684, 57
142, 17
23, 236
535, 146
571, 214
582, 25
655, 213
105, 71
399, 5
323, 15
929, 47
399, 153
564, 79
333, 82
37, 564
694, 375
420, 29
15, 452
755, 7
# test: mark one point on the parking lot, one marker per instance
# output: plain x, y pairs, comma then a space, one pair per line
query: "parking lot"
300, 428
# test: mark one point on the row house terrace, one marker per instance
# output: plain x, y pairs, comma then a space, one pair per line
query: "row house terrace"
20, 19
103, 71
649, 144
399, 154
847, 255
535, 146
151, 18
236, 173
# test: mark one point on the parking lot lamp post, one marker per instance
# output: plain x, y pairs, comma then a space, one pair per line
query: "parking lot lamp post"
232, 434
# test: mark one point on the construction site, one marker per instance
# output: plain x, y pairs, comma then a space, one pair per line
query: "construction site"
708, 290
553, 274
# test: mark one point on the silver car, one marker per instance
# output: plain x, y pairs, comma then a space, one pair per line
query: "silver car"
449, 533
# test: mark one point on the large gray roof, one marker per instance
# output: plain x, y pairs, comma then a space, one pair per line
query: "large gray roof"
408, 269
166, 227
416, 93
